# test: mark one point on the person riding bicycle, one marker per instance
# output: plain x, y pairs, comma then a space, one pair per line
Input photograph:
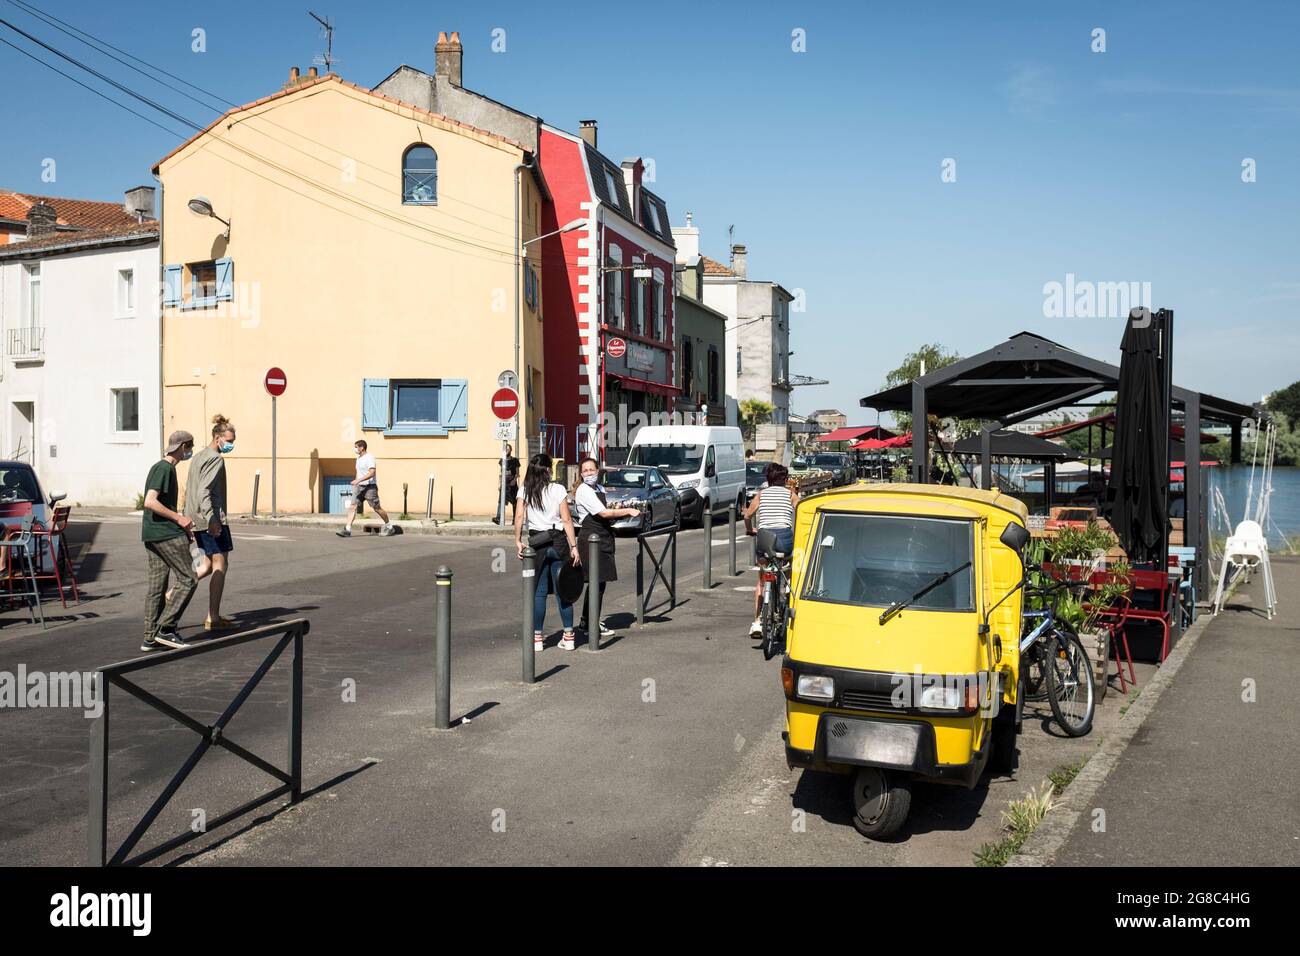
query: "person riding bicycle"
774, 504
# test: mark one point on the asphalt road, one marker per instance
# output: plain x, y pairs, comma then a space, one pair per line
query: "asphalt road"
662, 748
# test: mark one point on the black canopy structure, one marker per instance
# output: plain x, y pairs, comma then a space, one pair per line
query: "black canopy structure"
1005, 443
1029, 375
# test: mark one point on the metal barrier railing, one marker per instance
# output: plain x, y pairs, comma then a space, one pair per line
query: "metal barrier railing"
290, 632
668, 552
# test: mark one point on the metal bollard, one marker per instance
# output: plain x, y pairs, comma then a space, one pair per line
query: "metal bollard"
257, 480
708, 548
526, 612
640, 580
428, 508
442, 648
405, 510
731, 530
593, 595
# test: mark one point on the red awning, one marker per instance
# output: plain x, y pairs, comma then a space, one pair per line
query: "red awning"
642, 385
854, 433
1109, 421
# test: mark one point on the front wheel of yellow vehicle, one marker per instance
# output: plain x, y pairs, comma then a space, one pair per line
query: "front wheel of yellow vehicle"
881, 801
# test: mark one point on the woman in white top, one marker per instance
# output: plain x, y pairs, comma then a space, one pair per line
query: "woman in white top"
594, 516
543, 506
774, 505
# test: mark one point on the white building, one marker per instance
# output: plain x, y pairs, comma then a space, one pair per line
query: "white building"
79, 325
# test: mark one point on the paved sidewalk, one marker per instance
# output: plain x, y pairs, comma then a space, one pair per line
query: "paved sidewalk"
1210, 779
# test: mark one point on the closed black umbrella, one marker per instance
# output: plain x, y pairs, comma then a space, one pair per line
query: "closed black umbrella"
1136, 497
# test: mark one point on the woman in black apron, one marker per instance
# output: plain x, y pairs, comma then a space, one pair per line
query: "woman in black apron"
595, 524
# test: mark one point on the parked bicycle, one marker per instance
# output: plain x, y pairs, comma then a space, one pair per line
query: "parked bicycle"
1054, 662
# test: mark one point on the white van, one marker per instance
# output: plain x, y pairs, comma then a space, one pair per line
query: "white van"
705, 463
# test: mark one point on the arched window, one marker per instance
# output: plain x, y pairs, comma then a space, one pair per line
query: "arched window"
420, 176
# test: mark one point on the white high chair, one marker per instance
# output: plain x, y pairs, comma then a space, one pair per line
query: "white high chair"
1247, 550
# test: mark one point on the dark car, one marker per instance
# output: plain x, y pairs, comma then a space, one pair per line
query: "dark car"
755, 478
837, 463
644, 487
19, 485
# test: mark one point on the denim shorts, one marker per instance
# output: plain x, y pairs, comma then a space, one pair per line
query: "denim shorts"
784, 539
221, 544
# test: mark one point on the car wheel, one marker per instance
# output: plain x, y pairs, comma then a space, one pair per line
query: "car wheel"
677, 515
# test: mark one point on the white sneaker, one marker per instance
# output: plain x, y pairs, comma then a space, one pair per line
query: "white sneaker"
756, 629
539, 643
566, 643
388, 529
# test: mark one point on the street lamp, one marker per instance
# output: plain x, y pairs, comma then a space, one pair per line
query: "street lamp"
202, 206
569, 227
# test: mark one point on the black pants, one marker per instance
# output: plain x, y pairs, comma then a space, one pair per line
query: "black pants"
600, 601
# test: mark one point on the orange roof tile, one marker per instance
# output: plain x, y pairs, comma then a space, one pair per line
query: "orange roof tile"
144, 230
333, 78
714, 268
77, 213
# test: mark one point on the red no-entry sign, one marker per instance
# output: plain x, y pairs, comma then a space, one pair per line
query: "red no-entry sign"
505, 403
616, 348
276, 382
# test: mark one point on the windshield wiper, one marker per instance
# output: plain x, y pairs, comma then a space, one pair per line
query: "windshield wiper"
897, 606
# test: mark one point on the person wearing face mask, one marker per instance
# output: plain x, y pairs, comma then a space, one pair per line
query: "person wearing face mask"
205, 505
166, 535
594, 517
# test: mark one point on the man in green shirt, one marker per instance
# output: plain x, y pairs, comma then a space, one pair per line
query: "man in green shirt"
166, 536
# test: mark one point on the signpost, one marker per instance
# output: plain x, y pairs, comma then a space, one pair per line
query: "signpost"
616, 347
276, 382
505, 406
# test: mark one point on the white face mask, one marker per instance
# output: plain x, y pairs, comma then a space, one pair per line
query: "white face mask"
589, 480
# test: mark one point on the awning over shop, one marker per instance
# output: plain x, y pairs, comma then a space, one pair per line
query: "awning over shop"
631, 384
855, 433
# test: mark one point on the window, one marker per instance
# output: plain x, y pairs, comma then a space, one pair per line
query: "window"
637, 324
414, 406
688, 367
659, 304
713, 374
530, 286
126, 292
126, 410
738, 367
875, 560
611, 184
614, 286
420, 176
653, 215
34, 296
209, 283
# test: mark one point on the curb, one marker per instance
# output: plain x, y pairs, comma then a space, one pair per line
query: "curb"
454, 529
1045, 842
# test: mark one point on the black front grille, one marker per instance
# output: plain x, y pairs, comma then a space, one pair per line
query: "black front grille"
866, 700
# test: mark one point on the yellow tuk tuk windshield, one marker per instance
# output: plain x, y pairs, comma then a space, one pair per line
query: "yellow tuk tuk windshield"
874, 560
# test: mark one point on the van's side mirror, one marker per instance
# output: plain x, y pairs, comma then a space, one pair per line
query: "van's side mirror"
56, 497
710, 471
1015, 537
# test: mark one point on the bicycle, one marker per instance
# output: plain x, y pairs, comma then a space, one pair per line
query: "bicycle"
1055, 664
773, 573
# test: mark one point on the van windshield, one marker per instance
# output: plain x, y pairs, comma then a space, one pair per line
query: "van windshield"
875, 560
833, 460
670, 459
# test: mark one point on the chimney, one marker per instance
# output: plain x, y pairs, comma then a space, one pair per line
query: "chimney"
687, 240
42, 220
139, 202
587, 130
447, 57
633, 169
738, 260
293, 78
311, 73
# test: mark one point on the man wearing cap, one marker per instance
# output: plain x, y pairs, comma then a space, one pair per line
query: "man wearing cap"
166, 536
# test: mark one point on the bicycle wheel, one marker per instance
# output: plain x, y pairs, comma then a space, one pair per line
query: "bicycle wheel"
774, 633
1069, 680
1032, 668
765, 613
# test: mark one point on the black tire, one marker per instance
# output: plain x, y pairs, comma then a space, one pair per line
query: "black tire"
677, 516
1005, 757
705, 506
774, 633
881, 801
1031, 670
1070, 688
765, 618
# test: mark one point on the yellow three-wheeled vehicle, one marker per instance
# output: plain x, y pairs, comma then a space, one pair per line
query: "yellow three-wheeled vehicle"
902, 657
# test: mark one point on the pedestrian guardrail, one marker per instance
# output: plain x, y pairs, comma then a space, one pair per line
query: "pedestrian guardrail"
667, 555
288, 633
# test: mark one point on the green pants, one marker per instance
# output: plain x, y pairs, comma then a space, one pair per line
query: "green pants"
167, 558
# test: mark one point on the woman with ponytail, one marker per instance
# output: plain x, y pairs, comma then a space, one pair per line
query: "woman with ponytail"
543, 509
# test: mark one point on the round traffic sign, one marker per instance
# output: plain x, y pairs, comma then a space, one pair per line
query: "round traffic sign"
616, 348
505, 403
275, 381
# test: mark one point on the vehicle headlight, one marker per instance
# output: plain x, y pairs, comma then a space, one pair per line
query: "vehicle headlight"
816, 686
687, 485
941, 698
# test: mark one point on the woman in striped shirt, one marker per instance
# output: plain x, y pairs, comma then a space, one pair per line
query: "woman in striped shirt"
774, 504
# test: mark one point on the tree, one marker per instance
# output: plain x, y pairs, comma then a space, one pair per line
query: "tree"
754, 412
931, 358
1286, 401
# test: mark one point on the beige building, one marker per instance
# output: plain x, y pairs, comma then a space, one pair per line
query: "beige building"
370, 249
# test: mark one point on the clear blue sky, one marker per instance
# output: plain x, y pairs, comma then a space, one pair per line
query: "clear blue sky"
1115, 166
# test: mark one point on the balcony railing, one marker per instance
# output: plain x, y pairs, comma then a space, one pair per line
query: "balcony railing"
26, 343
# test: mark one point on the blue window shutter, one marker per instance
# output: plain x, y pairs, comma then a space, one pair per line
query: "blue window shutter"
455, 403
225, 279
172, 285
374, 403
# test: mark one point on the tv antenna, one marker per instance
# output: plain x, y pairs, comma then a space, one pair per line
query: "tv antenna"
325, 59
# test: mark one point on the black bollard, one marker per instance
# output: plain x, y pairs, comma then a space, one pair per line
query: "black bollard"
442, 648
526, 613
708, 547
593, 594
731, 548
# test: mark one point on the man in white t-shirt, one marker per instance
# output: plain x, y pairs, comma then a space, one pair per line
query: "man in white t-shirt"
365, 488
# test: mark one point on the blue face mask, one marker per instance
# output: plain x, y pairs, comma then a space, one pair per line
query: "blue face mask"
226, 447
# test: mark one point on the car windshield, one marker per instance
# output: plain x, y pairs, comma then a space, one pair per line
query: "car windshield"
874, 560
799, 464
18, 484
756, 473
624, 478
828, 461
670, 459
